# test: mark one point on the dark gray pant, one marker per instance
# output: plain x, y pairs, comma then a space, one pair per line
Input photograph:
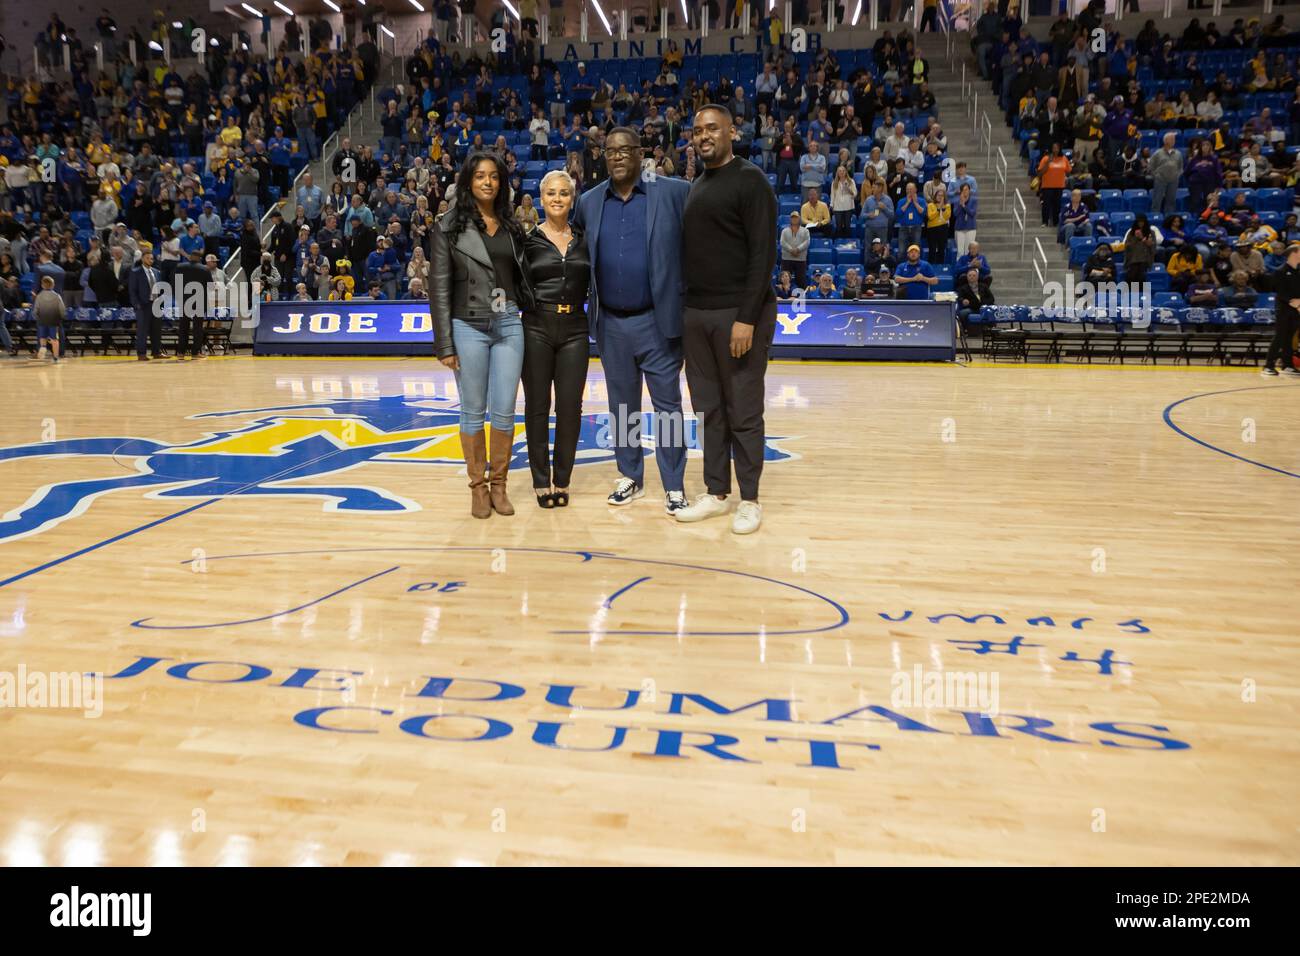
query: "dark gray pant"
728, 396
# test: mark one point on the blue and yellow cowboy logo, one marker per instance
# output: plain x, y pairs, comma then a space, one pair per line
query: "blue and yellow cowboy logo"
280, 447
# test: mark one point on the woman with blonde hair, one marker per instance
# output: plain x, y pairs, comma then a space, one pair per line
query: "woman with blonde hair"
555, 339
843, 201
418, 267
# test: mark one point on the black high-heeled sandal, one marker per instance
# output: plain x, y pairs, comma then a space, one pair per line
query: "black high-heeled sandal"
546, 500
561, 499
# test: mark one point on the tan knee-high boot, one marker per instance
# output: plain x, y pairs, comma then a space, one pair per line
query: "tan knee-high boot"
500, 447
475, 447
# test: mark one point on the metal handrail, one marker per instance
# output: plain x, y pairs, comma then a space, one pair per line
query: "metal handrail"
1041, 272
1001, 168
1021, 216
987, 137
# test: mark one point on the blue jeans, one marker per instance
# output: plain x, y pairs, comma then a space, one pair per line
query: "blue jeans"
491, 363
1069, 230
908, 236
307, 142
246, 203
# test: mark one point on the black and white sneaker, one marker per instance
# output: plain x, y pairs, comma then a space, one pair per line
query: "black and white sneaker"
1291, 370
625, 491
674, 502
1267, 371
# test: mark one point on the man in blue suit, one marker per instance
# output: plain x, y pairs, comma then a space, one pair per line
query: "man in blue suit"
633, 227
140, 291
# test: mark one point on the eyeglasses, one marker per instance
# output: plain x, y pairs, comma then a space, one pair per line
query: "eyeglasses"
622, 152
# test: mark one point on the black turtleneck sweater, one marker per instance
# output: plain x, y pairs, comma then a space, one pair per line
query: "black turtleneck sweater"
729, 240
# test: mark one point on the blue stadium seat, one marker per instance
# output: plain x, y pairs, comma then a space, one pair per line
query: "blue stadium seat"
1273, 200
1168, 300
1137, 200
1081, 248
1110, 200
1122, 222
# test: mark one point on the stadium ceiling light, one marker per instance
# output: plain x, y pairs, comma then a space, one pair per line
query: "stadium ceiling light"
391, 34
513, 12
857, 12
605, 20
253, 10
283, 7
333, 6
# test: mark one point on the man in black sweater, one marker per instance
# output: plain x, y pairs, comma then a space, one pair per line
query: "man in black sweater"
729, 249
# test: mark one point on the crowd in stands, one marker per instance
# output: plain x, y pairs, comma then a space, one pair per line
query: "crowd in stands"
104, 166
1167, 159
97, 168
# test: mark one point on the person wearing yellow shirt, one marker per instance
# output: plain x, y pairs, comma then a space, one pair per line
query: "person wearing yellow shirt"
930, 16
98, 151
938, 223
316, 96
231, 135
673, 56
1183, 266
816, 215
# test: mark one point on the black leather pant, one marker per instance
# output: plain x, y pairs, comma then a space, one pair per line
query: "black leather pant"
555, 352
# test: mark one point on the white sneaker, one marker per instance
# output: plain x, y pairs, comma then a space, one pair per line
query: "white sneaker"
705, 506
41, 352
1291, 370
747, 518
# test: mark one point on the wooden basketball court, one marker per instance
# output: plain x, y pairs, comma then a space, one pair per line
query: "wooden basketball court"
1008, 615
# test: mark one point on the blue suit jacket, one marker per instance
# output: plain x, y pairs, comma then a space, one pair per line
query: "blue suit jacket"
139, 292
665, 203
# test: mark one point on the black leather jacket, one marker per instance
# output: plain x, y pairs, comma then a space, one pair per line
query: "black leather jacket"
462, 280
555, 278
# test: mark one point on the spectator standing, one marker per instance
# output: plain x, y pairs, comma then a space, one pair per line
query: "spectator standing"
964, 214
794, 251
49, 311
843, 202
1165, 169
1053, 169
911, 217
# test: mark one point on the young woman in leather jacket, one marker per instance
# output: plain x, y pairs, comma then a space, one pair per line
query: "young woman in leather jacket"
477, 290
555, 339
